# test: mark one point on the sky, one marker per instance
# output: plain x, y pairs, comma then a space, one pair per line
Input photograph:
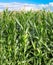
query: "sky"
29, 1
26, 4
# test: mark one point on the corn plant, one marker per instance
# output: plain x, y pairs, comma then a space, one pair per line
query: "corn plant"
26, 38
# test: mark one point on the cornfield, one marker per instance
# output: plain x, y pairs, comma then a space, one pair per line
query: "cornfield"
26, 38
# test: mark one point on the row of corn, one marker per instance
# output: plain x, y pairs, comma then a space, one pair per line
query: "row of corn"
26, 38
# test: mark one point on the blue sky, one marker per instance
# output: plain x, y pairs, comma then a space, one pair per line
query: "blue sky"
29, 1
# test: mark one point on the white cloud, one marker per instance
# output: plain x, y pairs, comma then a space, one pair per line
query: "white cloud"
51, 3
25, 6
